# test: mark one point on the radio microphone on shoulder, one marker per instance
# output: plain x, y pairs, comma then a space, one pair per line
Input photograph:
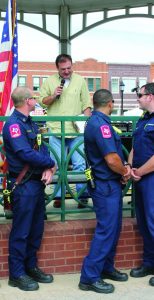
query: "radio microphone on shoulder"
61, 85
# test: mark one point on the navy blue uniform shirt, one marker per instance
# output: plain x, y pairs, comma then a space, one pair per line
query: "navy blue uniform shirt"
143, 140
100, 140
19, 136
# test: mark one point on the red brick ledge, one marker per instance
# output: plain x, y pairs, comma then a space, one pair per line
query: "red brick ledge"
64, 246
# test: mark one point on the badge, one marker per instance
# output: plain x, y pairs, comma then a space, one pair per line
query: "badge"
106, 133
15, 131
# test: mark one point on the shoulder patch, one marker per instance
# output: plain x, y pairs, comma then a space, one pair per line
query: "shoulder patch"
106, 132
15, 131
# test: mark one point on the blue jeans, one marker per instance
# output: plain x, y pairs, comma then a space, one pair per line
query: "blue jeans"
78, 161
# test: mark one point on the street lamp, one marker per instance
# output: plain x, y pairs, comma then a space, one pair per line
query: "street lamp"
122, 86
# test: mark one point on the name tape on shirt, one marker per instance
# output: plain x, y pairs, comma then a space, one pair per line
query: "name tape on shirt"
106, 132
15, 131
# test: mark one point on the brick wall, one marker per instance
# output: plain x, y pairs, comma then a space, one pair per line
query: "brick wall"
88, 68
152, 72
65, 244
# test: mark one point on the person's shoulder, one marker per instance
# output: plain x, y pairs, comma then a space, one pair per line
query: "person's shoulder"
11, 120
95, 121
99, 120
94, 126
50, 78
56, 75
15, 120
77, 76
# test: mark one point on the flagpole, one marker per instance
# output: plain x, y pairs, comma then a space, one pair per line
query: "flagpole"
13, 15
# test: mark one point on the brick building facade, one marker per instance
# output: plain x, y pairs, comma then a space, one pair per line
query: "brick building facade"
97, 74
152, 72
131, 75
32, 74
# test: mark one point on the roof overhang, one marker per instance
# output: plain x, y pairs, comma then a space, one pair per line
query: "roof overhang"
74, 6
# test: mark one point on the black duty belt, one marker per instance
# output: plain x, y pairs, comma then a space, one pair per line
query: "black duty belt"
27, 176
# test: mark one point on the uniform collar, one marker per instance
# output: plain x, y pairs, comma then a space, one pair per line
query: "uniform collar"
102, 115
21, 116
148, 115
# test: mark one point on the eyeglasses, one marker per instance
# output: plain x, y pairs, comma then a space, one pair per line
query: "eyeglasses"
33, 98
139, 95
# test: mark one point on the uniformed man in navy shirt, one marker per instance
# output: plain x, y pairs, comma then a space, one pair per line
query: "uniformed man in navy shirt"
28, 204
142, 160
104, 153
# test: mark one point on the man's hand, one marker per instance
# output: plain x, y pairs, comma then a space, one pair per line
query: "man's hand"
50, 99
58, 92
134, 174
127, 175
47, 175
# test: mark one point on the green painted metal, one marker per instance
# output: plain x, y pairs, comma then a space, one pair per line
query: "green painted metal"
67, 178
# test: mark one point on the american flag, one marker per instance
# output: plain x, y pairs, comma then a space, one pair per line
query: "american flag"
8, 59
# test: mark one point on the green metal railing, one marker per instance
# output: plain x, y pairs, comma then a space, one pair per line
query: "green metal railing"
67, 178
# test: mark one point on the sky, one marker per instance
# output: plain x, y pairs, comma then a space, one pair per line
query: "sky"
121, 41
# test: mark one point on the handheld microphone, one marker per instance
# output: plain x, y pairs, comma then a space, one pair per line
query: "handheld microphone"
61, 85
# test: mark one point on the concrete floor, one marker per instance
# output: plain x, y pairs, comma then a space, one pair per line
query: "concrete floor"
65, 287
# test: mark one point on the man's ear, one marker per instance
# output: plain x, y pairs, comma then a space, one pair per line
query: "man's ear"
110, 104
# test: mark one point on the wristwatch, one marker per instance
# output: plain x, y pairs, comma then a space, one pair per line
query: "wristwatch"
127, 164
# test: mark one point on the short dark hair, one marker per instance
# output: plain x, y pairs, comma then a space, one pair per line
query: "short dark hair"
101, 98
62, 58
148, 88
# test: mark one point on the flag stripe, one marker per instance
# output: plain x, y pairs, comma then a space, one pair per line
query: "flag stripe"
4, 57
4, 66
1, 88
3, 75
5, 47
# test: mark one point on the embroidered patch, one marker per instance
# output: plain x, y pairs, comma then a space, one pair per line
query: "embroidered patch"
106, 133
15, 131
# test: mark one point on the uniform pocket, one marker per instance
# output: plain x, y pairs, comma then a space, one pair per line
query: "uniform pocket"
104, 188
149, 129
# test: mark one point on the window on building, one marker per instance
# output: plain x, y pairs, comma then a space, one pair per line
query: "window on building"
98, 83
21, 80
142, 81
129, 83
91, 84
36, 83
115, 85
44, 78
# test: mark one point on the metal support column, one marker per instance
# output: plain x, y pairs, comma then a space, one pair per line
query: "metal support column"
64, 31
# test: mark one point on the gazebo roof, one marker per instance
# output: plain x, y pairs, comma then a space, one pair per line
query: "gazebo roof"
74, 6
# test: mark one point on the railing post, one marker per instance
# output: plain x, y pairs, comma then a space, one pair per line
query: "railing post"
63, 168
